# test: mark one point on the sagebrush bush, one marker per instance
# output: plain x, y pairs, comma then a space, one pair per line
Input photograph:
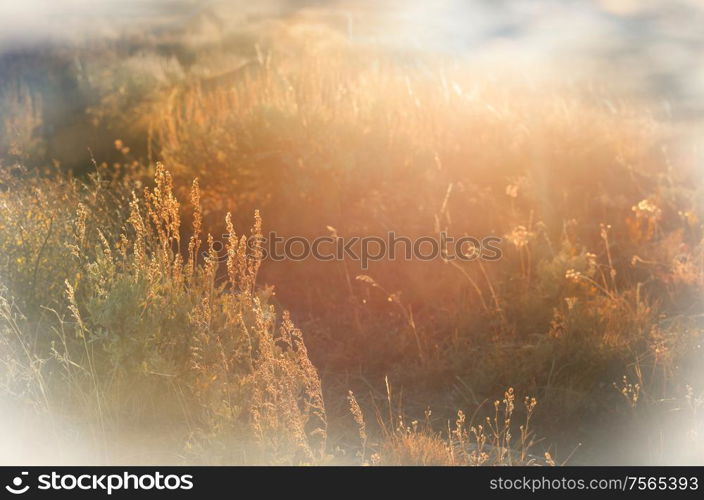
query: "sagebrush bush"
144, 337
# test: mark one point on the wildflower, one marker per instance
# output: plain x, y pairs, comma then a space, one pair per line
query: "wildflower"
647, 209
573, 275
571, 301
519, 236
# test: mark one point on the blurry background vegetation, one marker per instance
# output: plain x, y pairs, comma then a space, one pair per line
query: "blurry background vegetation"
78, 74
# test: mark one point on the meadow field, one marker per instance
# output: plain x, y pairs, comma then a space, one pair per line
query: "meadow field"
144, 319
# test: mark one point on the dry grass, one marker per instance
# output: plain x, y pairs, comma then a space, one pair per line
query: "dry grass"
119, 317
596, 202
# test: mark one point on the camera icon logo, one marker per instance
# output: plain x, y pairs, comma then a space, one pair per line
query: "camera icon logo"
16, 488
